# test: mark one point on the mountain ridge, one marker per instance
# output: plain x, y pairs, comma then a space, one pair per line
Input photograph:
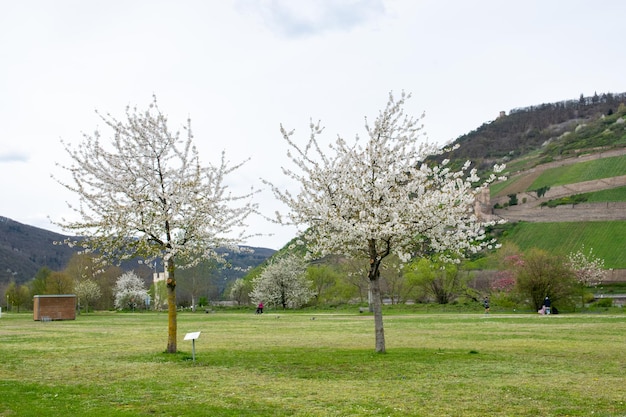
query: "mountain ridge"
24, 249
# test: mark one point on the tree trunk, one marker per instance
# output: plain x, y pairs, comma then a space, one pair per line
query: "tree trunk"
376, 306
378, 315
171, 308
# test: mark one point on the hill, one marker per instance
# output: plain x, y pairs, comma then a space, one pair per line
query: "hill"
557, 129
25, 249
566, 191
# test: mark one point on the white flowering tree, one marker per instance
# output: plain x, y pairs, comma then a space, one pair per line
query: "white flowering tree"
87, 291
375, 197
130, 291
283, 283
588, 269
239, 290
146, 194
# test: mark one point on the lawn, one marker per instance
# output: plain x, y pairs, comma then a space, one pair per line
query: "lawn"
315, 364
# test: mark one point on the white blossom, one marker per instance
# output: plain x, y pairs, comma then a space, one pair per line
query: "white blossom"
589, 269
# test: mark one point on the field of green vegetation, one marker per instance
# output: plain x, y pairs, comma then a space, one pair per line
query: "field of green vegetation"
584, 171
315, 364
570, 174
606, 238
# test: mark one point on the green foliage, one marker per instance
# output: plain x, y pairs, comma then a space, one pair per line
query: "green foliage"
325, 281
39, 284
603, 302
569, 200
18, 296
439, 280
541, 191
542, 275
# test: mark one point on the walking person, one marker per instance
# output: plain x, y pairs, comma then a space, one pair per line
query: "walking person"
259, 308
486, 305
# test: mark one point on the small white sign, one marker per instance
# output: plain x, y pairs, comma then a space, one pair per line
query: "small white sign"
192, 336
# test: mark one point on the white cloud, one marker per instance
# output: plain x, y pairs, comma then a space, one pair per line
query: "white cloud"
313, 17
13, 156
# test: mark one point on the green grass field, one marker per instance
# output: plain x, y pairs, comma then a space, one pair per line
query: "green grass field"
297, 364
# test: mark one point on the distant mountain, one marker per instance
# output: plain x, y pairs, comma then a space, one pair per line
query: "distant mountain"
25, 249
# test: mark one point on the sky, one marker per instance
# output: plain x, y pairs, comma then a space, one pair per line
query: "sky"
240, 68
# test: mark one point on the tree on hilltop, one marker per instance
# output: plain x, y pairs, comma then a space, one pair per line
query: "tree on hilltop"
374, 198
146, 194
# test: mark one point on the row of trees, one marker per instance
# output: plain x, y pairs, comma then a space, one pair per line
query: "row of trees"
515, 279
522, 279
82, 276
95, 289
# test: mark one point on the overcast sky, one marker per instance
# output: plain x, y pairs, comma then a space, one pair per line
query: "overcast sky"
239, 68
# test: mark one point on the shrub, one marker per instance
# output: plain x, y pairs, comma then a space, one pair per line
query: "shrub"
603, 302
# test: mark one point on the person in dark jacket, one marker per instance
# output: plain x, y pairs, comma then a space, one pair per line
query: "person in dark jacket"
546, 304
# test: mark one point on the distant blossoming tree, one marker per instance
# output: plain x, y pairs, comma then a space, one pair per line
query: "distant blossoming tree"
130, 291
283, 283
239, 290
376, 197
87, 291
588, 269
146, 194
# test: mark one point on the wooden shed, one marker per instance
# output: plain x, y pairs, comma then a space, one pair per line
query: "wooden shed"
54, 307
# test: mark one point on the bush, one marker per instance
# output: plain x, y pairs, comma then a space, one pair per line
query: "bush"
603, 302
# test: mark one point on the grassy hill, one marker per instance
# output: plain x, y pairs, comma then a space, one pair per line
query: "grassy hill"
570, 192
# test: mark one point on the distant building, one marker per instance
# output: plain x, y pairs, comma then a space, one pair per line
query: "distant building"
54, 307
482, 206
159, 281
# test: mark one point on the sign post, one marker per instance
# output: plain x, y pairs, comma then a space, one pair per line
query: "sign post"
193, 336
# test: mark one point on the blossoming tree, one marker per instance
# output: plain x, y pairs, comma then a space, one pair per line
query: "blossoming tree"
376, 197
283, 283
146, 194
588, 269
130, 291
